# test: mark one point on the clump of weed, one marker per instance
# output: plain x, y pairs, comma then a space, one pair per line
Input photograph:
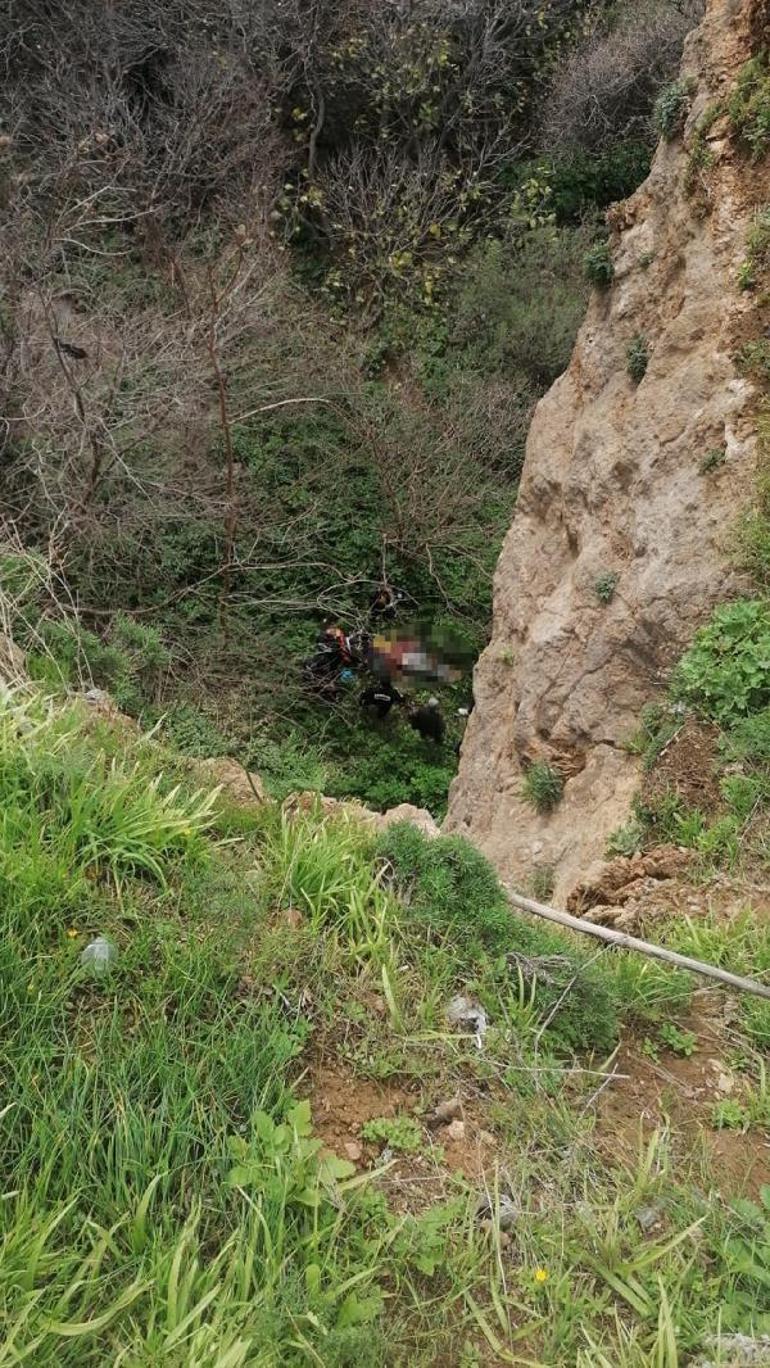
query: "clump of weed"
753, 359
637, 358
725, 672
626, 840
749, 106
397, 1132
453, 907
713, 459
605, 585
598, 266
671, 107
658, 724
680, 1041
646, 260
700, 156
542, 881
542, 786
730, 1115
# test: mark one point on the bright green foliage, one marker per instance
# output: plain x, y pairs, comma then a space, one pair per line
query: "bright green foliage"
598, 265
637, 358
101, 816
396, 1132
747, 1253
726, 672
730, 1115
680, 1041
285, 1164
452, 897
542, 786
671, 108
749, 106
605, 585
166, 1200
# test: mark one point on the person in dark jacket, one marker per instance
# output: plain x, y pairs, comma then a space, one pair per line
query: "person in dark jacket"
379, 698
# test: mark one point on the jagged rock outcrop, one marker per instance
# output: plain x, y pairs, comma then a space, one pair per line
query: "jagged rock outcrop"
612, 486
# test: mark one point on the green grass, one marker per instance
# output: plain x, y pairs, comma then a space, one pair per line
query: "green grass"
542, 786
166, 1196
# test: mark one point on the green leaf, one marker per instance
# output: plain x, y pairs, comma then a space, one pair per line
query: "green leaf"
300, 1118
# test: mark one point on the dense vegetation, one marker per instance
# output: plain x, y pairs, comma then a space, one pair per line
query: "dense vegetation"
166, 1194
320, 260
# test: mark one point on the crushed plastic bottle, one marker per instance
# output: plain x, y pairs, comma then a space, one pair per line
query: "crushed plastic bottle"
100, 954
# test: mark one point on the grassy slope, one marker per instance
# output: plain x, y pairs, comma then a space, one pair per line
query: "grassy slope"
155, 1208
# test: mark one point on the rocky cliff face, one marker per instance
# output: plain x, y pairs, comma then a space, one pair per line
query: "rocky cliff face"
612, 486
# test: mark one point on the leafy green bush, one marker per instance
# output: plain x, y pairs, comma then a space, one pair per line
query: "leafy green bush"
726, 671
637, 358
598, 265
192, 732
671, 108
749, 106
605, 585
542, 786
450, 894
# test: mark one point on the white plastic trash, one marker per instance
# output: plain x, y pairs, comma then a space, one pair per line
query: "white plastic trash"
100, 954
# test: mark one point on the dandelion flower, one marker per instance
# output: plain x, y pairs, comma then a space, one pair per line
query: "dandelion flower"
541, 1275
72, 933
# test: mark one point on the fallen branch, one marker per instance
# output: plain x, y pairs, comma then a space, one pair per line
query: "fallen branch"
625, 942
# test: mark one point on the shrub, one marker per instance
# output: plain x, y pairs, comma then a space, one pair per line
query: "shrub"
626, 840
449, 890
605, 90
725, 673
713, 459
749, 106
637, 358
671, 108
605, 585
598, 265
543, 786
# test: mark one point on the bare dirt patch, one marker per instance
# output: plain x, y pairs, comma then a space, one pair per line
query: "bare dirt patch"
681, 1093
688, 766
342, 1103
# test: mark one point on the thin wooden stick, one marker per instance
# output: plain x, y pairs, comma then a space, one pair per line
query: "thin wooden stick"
744, 985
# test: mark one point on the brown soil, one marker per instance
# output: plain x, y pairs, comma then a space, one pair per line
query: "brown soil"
681, 1093
688, 767
342, 1103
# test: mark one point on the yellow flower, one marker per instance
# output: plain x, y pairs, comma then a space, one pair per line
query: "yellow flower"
541, 1275
73, 933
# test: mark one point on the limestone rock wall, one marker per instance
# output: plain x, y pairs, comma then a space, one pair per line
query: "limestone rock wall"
612, 484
